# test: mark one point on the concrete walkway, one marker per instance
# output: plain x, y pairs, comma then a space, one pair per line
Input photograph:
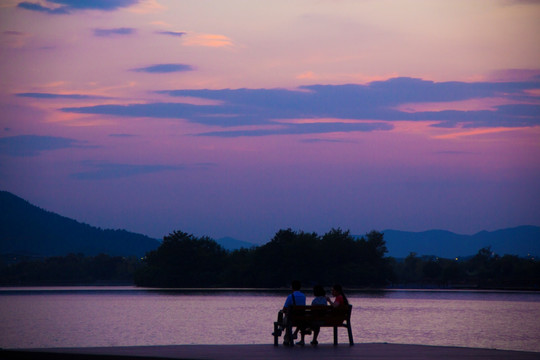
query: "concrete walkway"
270, 352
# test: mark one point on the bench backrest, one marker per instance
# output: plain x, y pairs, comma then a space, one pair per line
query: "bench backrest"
319, 315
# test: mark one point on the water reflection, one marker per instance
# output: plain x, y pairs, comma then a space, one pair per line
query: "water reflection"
59, 317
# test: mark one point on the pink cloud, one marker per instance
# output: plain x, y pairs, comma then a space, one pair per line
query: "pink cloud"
209, 40
306, 75
474, 132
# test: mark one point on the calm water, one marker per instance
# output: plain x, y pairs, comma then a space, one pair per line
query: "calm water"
123, 316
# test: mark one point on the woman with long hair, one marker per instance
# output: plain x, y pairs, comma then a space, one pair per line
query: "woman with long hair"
339, 296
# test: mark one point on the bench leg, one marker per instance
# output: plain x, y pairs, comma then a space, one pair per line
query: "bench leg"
349, 330
276, 332
288, 337
335, 335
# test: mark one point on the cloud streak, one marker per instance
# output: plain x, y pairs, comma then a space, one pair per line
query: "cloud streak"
59, 96
113, 32
165, 68
105, 171
310, 128
122, 135
33, 145
375, 102
62, 7
208, 40
172, 33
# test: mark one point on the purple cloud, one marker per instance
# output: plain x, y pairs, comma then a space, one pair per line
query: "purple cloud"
13, 33
377, 102
172, 33
310, 128
111, 32
104, 170
165, 68
33, 145
68, 6
59, 96
122, 135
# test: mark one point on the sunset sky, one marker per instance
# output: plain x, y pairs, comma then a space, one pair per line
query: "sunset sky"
242, 117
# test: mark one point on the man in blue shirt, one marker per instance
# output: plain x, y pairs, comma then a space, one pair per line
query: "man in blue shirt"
297, 297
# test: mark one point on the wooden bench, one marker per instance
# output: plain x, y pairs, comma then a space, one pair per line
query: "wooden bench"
309, 317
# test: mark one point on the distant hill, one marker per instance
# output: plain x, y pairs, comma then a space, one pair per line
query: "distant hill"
29, 230
26, 229
521, 241
230, 243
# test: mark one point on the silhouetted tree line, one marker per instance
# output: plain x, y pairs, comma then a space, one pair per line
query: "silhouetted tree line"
72, 269
485, 270
183, 260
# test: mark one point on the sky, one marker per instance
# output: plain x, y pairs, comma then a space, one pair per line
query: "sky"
243, 117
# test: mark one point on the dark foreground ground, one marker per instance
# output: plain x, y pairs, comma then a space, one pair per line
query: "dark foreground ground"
270, 352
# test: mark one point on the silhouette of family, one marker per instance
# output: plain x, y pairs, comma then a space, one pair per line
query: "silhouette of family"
320, 299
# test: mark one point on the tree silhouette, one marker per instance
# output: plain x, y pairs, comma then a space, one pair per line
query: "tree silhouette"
182, 260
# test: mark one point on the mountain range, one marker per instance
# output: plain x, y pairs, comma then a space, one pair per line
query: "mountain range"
522, 241
26, 229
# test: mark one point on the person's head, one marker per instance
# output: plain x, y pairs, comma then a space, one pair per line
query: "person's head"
337, 290
318, 290
295, 284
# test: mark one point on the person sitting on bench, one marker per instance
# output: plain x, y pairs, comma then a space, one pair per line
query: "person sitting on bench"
321, 300
295, 298
339, 295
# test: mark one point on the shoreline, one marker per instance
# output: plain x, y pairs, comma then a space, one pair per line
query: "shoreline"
131, 287
379, 351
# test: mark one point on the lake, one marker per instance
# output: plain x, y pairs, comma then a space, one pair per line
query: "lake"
129, 316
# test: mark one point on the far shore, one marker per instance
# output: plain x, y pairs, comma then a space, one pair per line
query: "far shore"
132, 287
